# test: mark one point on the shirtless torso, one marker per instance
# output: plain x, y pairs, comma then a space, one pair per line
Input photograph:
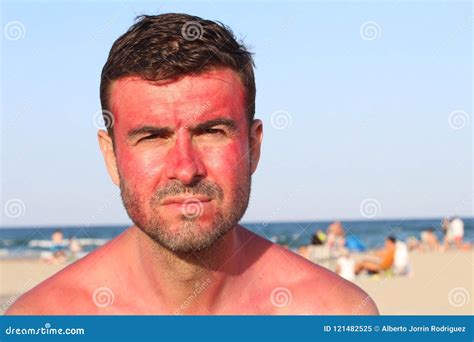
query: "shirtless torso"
259, 278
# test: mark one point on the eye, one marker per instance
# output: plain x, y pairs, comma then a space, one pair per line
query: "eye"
213, 131
152, 136
149, 137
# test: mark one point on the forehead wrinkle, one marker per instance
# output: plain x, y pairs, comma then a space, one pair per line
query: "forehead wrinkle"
180, 102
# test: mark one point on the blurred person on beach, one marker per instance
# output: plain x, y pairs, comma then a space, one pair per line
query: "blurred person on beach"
316, 251
455, 234
413, 243
56, 253
320, 236
345, 266
380, 260
75, 248
336, 238
182, 145
445, 227
429, 241
401, 260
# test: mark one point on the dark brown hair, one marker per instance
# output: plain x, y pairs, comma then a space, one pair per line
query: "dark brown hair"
169, 46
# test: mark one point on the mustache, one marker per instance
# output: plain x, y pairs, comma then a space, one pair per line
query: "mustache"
202, 187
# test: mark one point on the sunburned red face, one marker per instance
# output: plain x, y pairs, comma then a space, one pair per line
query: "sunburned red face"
182, 153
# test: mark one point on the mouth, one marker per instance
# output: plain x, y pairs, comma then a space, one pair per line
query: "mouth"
186, 200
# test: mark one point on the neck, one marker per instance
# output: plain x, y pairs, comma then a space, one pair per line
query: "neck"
188, 282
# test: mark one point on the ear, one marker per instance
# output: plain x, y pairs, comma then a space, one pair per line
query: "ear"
107, 148
256, 136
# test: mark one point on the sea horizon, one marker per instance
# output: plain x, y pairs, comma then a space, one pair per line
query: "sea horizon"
32, 241
253, 222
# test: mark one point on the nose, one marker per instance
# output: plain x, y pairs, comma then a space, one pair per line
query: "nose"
184, 162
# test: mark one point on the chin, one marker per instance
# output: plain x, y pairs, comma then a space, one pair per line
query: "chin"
188, 235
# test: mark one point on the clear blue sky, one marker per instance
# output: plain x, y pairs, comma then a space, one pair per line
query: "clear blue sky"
369, 117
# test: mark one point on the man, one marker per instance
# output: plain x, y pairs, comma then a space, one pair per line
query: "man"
381, 260
180, 93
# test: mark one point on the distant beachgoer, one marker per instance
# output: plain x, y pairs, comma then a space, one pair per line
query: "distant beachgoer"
336, 238
401, 262
455, 234
58, 240
457, 229
381, 260
316, 240
56, 253
448, 238
345, 266
321, 236
429, 240
445, 227
306, 250
412, 243
75, 248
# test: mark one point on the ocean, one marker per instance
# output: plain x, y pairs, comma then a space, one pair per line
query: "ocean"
31, 242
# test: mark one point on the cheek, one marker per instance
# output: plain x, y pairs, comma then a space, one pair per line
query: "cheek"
227, 166
138, 169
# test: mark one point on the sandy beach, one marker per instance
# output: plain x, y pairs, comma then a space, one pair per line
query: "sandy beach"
442, 284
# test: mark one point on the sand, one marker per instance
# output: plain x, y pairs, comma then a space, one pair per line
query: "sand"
442, 284
19, 276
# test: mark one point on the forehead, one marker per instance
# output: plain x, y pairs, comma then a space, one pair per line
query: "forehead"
136, 101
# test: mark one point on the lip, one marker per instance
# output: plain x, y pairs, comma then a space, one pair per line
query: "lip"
188, 199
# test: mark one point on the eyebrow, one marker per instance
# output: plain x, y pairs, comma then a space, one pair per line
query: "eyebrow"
143, 130
161, 131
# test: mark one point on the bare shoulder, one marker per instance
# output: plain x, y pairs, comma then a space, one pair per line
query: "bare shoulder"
71, 289
318, 290
54, 296
307, 287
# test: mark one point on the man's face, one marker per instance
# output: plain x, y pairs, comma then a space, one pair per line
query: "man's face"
183, 156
